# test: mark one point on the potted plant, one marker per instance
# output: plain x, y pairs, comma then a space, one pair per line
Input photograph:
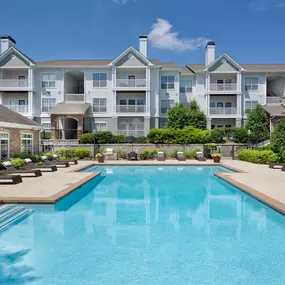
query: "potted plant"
100, 155
216, 157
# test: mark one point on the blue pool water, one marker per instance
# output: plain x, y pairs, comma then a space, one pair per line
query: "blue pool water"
150, 225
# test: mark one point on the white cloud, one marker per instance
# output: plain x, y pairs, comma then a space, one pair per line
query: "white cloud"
122, 2
263, 5
161, 36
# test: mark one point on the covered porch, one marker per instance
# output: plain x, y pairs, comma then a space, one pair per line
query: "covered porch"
67, 120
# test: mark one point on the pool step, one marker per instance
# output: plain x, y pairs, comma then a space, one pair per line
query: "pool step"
10, 214
4, 208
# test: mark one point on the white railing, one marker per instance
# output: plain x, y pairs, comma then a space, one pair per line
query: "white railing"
223, 111
16, 83
131, 108
74, 98
131, 83
223, 87
22, 109
274, 100
128, 133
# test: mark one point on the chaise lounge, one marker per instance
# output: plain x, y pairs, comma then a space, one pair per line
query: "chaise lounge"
180, 156
57, 163
31, 165
276, 165
160, 156
10, 169
10, 179
200, 156
56, 158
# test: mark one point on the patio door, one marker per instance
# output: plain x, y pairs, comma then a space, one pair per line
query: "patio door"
131, 81
21, 81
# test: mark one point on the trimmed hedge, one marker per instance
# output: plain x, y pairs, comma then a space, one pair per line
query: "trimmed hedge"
149, 153
257, 156
80, 153
237, 135
188, 135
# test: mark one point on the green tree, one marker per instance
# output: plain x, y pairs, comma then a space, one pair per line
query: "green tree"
181, 116
258, 124
278, 139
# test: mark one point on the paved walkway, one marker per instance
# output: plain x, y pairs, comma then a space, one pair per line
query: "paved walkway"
47, 188
265, 184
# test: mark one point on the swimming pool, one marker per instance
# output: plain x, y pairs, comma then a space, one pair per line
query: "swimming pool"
148, 225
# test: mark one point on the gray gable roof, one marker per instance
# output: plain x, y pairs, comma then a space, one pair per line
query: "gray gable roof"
277, 111
9, 116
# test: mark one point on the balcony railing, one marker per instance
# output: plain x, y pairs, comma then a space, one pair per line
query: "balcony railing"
274, 100
128, 133
14, 83
223, 87
223, 111
22, 109
129, 83
131, 108
74, 98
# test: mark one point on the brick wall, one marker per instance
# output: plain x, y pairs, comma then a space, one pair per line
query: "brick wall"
15, 139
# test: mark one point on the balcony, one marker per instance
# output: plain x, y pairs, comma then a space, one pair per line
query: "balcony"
223, 111
74, 98
128, 133
131, 83
13, 84
22, 109
131, 108
274, 101
223, 87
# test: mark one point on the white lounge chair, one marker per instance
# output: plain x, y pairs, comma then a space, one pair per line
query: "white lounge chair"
200, 156
109, 151
160, 156
180, 156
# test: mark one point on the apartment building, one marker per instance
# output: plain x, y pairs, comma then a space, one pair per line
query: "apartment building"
131, 94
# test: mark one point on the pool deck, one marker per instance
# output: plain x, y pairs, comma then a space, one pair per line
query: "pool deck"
267, 185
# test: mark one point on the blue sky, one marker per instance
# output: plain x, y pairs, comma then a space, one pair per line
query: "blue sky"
251, 31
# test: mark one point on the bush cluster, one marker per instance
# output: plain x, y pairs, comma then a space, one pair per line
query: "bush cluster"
278, 139
237, 135
188, 153
106, 137
188, 135
80, 153
257, 156
149, 153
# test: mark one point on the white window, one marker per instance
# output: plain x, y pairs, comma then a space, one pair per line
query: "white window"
166, 105
99, 105
4, 145
47, 127
220, 126
251, 84
99, 79
212, 104
27, 143
228, 126
48, 80
250, 105
47, 104
220, 104
186, 86
167, 82
100, 126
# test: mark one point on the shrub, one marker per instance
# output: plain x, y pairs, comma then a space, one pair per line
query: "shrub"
82, 153
17, 162
86, 138
188, 135
34, 158
118, 139
142, 139
191, 153
257, 156
66, 153
240, 135
216, 155
218, 135
278, 138
148, 153
49, 155
121, 154
105, 137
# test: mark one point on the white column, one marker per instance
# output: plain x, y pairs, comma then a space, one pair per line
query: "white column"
114, 76
148, 77
114, 102
30, 99
239, 107
239, 82
147, 95
30, 78
157, 95
0, 98
208, 80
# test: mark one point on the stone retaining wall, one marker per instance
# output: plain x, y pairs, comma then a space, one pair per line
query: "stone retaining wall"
225, 149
